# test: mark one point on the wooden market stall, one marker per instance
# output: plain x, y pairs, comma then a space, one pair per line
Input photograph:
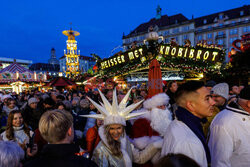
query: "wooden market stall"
17, 78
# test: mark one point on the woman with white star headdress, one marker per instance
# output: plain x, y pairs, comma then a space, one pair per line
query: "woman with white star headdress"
115, 149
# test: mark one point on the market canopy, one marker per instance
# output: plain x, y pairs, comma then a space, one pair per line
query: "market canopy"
190, 60
16, 72
62, 82
14, 67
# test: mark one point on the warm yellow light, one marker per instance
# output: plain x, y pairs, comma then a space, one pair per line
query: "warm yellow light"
201, 75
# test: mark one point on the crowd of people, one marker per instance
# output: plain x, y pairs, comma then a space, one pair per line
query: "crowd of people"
188, 124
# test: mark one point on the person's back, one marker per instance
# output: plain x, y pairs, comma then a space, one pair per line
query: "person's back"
62, 155
56, 127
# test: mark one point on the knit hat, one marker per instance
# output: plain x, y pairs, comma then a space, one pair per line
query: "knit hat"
84, 103
221, 89
157, 100
114, 114
32, 100
6, 97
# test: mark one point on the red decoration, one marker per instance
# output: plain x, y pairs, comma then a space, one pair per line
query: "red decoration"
154, 78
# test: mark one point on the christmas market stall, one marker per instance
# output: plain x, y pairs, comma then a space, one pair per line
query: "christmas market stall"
17, 78
61, 83
176, 62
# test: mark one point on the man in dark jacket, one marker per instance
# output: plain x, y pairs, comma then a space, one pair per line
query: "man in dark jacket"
56, 127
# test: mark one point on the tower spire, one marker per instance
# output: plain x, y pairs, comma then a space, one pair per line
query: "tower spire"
158, 12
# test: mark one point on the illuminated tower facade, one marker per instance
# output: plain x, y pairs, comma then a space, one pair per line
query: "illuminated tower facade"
71, 55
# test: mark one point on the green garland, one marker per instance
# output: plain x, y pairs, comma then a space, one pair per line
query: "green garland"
185, 64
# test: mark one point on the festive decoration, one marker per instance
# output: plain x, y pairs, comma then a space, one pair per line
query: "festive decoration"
72, 58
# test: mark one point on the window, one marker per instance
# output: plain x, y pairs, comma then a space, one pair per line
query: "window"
245, 29
220, 25
220, 42
185, 37
205, 21
186, 28
209, 36
233, 31
242, 13
209, 42
176, 30
199, 37
232, 39
220, 33
176, 39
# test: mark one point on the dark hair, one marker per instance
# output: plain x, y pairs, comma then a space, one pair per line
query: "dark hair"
9, 100
60, 104
188, 87
49, 101
10, 129
245, 93
176, 160
170, 84
61, 97
210, 83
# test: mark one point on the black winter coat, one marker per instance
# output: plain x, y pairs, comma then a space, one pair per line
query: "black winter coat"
61, 155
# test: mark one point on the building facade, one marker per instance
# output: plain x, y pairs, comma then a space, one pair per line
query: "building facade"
4, 62
51, 68
220, 28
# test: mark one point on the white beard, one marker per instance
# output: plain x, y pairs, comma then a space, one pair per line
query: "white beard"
160, 119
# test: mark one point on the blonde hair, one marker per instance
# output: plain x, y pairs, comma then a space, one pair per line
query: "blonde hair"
115, 146
54, 125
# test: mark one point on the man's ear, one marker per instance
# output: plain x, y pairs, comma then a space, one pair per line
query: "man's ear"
70, 131
190, 106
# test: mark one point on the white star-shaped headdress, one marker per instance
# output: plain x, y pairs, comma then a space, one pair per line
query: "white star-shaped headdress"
114, 114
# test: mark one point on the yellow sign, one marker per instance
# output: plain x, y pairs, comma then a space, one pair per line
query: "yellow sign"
191, 53
119, 59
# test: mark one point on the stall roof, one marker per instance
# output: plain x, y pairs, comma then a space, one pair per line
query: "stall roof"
61, 82
14, 67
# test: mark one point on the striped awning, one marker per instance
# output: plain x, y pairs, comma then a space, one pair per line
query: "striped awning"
13, 68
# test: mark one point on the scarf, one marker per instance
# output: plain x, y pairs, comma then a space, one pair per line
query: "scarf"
194, 123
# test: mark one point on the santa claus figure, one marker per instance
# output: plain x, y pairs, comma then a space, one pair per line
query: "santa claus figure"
152, 125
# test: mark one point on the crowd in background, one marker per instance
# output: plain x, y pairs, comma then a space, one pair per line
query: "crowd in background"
20, 115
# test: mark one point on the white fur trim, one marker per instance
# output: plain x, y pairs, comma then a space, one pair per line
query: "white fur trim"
143, 142
127, 160
160, 120
157, 100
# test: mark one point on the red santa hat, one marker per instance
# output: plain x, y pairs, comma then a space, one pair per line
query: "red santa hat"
157, 100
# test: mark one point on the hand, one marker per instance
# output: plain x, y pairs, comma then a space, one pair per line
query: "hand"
23, 145
34, 151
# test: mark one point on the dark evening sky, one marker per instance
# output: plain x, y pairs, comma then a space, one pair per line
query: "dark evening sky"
30, 28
